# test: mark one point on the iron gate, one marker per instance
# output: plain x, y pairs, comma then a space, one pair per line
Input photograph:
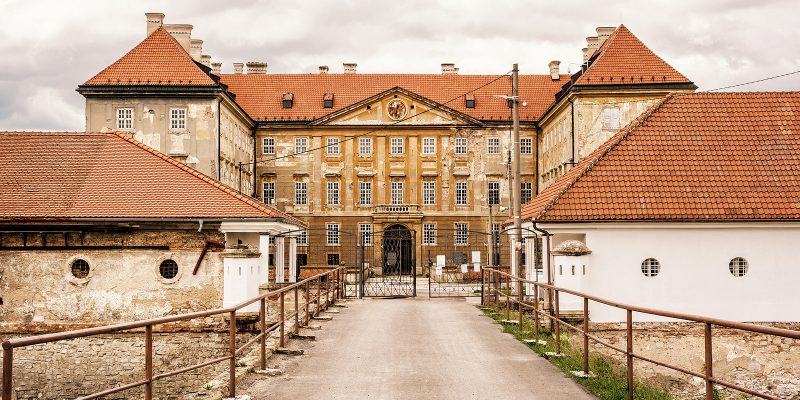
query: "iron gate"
388, 263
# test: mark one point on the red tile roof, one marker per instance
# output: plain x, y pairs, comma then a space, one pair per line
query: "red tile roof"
158, 60
57, 176
260, 94
691, 157
624, 59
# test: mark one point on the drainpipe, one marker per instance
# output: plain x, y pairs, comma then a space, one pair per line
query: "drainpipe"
219, 140
546, 243
209, 243
255, 179
572, 129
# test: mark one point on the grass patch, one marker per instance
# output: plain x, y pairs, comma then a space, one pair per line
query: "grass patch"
610, 381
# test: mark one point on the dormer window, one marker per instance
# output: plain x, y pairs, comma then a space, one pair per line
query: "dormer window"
327, 100
470, 101
288, 99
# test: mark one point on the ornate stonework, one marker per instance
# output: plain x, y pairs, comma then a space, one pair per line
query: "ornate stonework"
397, 109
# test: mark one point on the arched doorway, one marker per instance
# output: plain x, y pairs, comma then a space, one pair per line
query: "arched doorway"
397, 251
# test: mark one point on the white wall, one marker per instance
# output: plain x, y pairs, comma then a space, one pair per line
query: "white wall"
694, 275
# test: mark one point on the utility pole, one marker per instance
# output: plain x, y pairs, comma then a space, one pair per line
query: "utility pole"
516, 187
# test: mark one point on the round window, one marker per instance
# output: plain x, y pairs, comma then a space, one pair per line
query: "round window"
738, 266
651, 267
168, 269
80, 268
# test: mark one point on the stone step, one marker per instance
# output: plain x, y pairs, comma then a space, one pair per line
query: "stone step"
534, 341
323, 318
332, 311
289, 352
302, 336
269, 372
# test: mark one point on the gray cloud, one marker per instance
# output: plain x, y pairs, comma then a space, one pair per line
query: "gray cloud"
50, 47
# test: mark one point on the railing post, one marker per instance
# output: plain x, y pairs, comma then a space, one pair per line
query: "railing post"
496, 289
558, 326
319, 296
536, 312
508, 298
709, 363
483, 284
232, 361
296, 311
586, 335
629, 353
327, 290
262, 316
519, 302
148, 362
283, 319
308, 303
8, 371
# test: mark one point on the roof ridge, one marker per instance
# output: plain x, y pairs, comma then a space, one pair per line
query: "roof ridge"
611, 144
205, 178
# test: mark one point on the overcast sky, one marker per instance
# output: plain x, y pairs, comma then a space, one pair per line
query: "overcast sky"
50, 47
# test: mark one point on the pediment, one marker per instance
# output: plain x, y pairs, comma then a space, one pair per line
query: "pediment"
397, 106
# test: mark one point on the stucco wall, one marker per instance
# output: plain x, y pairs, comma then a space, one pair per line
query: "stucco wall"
694, 276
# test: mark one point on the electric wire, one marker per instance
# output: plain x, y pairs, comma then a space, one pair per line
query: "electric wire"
751, 82
383, 127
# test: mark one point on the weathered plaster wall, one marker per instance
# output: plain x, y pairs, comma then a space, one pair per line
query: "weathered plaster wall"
236, 146
754, 361
123, 284
197, 144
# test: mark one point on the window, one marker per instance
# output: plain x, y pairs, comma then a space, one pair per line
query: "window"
397, 147
365, 231
365, 146
493, 145
80, 269
364, 193
302, 259
469, 101
332, 148
526, 145
327, 100
461, 146
268, 145
301, 193
287, 100
738, 266
428, 146
269, 192
461, 193
651, 267
526, 192
333, 234
300, 145
302, 238
428, 193
333, 259
494, 192
125, 119
333, 193
429, 234
168, 269
462, 233
177, 119
397, 192
611, 118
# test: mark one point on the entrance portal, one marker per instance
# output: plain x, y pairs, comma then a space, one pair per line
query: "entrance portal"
397, 251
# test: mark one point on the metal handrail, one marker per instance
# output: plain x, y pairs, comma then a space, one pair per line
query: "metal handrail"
494, 284
321, 296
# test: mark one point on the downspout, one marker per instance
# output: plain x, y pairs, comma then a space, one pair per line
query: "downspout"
572, 129
209, 243
546, 243
255, 179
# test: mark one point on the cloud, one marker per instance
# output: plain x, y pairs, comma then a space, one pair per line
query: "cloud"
49, 47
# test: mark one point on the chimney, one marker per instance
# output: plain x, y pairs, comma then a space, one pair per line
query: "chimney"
586, 54
154, 20
323, 69
554, 72
449, 69
591, 45
350, 68
182, 33
196, 49
603, 32
255, 67
205, 59
238, 68
216, 68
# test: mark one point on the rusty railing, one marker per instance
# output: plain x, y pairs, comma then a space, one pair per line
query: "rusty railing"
494, 279
326, 294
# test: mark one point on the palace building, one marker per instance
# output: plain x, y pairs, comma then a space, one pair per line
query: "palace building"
361, 153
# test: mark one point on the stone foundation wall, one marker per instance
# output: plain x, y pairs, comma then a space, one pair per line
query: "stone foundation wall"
759, 362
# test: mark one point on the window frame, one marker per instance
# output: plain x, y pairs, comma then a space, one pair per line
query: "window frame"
526, 145
365, 235
428, 193
430, 148
332, 143
651, 267
738, 267
603, 119
526, 194
465, 190
493, 193
333, 192
397, 192
361, 146
298, 148
365, 193
268, 148
181, 119
300, 193
333, 234
264, 191
464, 146
393, 146
461, 235
429, 234
129, 118
493, 143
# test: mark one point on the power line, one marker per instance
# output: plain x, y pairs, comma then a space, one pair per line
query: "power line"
751, 82
437, 107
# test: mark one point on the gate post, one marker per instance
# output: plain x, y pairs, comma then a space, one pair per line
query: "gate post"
360, 286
